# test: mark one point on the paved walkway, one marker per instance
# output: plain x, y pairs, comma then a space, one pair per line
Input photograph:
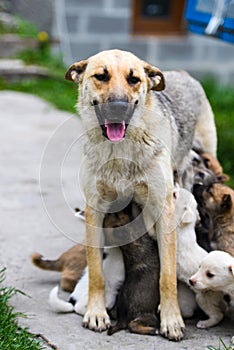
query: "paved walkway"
27, 124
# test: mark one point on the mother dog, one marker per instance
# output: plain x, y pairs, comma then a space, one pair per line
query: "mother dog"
136, 137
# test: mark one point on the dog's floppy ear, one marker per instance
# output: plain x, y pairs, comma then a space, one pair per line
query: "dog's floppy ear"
226, 202
76, 70
155, 77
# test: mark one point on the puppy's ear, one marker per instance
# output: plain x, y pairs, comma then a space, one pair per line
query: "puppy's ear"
155, 77
226, 202
76, 70
187, 216
223, 178
231, 269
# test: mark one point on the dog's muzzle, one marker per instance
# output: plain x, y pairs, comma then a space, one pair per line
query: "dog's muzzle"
114, 117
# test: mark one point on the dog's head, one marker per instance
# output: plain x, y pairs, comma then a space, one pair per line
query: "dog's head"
218, 199
215, 273
115, 83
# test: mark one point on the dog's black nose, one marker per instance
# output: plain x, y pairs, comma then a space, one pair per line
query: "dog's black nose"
117, 110
191, 282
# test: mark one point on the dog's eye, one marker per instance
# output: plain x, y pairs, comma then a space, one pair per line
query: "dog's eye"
209, 274
102, 77
133, 80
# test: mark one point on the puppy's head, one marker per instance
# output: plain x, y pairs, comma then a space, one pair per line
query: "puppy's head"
213, 164
215, 273
218, 199
115, 83
202, 175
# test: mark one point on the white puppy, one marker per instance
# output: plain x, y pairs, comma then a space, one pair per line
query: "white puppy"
215, 274
113, 269
189, 253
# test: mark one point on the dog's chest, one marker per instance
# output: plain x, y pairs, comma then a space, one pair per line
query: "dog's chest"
119, 167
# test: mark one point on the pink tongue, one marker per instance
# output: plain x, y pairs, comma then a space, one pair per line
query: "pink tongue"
115, 131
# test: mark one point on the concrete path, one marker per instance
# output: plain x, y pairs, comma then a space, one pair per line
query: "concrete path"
40, 164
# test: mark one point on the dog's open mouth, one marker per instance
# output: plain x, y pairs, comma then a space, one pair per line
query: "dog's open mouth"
114, 117
115, 131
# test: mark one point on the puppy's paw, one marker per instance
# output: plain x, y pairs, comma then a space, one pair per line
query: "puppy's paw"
96, 319
172, 327
81, 305
203, 324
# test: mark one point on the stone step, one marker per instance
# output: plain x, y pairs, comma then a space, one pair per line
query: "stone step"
11, 44
13, 70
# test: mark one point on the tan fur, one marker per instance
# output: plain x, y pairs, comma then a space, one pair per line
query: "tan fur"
219, 203
140, 165
71, 264
213, 164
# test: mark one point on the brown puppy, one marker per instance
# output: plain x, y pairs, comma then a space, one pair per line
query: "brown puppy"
71, 264
218, 201
213, 164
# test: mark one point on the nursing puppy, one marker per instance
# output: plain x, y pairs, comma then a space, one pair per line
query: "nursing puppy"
136, 137
218, 201
138, 298
214, 165
136, 304
71, 264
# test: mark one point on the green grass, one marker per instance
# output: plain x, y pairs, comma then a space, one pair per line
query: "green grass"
12, 336
223, 346
23, 28
222, 102
54, 89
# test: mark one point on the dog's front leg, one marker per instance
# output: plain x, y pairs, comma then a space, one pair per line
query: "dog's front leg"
172, 324
96, 317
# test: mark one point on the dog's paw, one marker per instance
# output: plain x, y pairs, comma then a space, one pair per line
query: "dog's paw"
172, 327
96, 320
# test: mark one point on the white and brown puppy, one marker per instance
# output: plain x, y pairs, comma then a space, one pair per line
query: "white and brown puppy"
136, 136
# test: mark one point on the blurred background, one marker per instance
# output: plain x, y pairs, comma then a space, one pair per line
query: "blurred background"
40, 38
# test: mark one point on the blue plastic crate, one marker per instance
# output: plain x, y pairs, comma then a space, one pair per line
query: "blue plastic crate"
200, 13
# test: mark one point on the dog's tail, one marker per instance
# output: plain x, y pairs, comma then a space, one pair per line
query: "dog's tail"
57, 304
53, 265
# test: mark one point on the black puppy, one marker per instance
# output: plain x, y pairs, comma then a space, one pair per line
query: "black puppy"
138, 298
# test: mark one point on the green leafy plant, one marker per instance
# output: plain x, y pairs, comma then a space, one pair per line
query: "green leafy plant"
222, 102
222, 345
20, 27
12, 336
